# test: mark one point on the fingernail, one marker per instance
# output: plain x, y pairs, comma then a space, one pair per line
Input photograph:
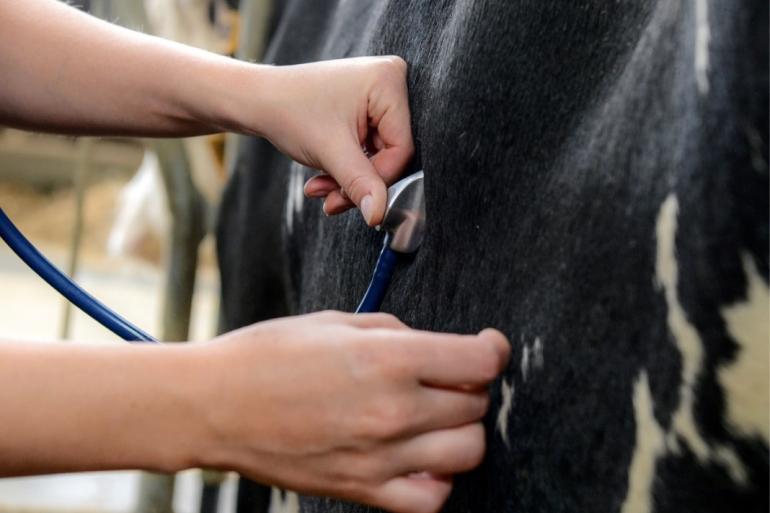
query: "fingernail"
367, 206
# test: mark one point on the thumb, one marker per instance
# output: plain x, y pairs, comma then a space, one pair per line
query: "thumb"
348, 165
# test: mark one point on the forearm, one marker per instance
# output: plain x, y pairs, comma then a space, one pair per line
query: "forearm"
84, 407
65, 71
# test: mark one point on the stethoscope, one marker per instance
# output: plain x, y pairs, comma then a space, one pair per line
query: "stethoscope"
403, 224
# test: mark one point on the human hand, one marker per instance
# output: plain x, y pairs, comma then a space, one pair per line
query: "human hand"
322, 114
351, 406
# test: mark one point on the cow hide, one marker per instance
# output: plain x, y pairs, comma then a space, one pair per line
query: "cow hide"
597, 188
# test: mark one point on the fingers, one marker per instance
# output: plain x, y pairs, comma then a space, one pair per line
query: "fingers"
456, 361
424, 465
418, 494
361, 181
320, 186
336, 203
358, 177
442, 452
388, 110
388, 163
443, 408
433, 359
324, 186
391, 161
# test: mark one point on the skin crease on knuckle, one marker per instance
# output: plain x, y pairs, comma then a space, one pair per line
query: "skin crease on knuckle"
398, 63
387, 319
384, 355
357, 187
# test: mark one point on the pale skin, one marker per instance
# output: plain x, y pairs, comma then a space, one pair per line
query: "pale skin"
359, 407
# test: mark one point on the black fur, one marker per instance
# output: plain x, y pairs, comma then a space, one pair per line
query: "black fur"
550, 133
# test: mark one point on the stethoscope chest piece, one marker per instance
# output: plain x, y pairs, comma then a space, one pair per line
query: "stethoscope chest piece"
405, 214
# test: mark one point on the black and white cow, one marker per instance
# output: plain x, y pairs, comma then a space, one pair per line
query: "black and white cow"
597, 187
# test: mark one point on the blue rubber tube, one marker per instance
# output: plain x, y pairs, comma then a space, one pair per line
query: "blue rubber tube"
378, 286
375, 293
69, 289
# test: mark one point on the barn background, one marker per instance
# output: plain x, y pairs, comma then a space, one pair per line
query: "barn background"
102, 210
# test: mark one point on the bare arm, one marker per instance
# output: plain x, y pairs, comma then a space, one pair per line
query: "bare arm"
330, 403
84, 407
68, 72
65, 71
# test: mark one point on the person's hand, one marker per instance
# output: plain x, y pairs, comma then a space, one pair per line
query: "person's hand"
359, 407
323, 114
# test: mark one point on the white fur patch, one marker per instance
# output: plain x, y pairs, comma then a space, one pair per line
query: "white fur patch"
690, 346
702, 41
524, 362
650, 445
537, 352
745, 380
286, 502
685, 336
507, 392
531, 357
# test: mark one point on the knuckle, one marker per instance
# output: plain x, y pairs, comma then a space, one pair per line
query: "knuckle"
386, 320
329, 315
409, 146
360, 466
351, 483
396, 417
357, 186
391, 69
397, 62
401, 362
369, 428
387, 359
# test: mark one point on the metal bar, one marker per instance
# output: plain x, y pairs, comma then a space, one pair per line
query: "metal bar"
85, 144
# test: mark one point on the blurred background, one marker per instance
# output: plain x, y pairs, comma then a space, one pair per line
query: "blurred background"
131, 221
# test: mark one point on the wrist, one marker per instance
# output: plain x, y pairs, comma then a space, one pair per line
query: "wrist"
239, 98
193, 438
175, 431
210, 404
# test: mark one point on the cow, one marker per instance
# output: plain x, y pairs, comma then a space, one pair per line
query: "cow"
596, 186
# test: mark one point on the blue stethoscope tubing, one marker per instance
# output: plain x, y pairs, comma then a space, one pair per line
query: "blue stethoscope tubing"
378, 286
68, 288
375, 293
